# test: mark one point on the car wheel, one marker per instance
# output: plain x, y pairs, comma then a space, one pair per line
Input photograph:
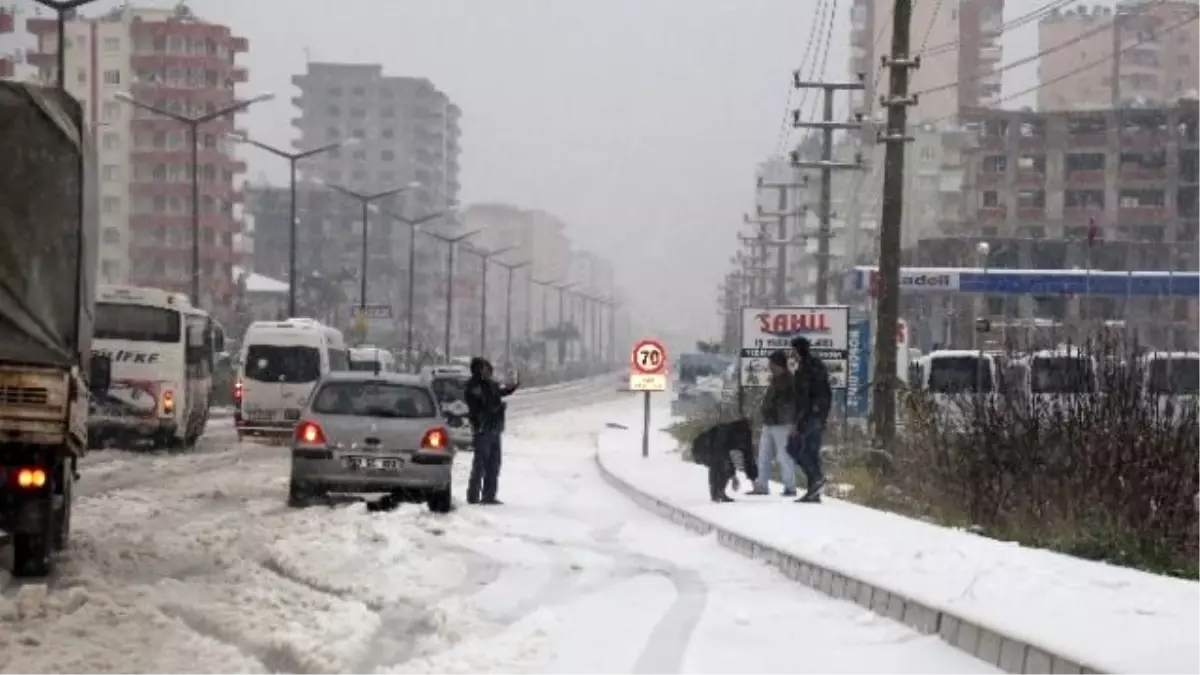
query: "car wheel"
441, 501
300, 495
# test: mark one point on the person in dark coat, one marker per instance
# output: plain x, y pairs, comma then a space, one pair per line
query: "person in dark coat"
814, 398
486, 412
778, 412
714, 448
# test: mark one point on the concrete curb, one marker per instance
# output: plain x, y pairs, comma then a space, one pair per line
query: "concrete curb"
1007, 653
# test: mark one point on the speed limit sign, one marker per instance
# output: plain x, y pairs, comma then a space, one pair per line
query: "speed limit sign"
649, 358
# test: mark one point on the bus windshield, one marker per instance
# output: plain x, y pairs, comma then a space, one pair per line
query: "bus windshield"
138, 323
1062, 375
959, 374
1178, 376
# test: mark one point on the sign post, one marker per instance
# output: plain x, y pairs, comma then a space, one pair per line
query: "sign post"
648, 372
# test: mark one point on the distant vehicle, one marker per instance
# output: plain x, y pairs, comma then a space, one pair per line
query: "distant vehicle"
163, 351
363, 433
1173, 380
449, 383
281, 361
48, 226
372, 359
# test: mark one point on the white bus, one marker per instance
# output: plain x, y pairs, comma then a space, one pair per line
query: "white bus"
281, 361
162, 351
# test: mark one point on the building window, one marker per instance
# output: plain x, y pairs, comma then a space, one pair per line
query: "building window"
359, 174
387, 155
111, 140
359, 133
177, 44
111, 111
111, 269
358, 91
335, 111
995, 164
112, 77
386, 93
387, 133
334, 153
360, 155
333, 176
112, 235
82, 76
387, 112
358, 113
112, 44
333, 132
387, 177
111, 172
335, 91
990, 199
112, 204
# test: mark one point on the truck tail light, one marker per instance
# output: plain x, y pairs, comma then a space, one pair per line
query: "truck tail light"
30, 477
310, 433
436, 438
168, 401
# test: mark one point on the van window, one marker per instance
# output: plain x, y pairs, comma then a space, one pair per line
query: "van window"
373, 399
957, 374
274, 363
1179, 377
366, 366
1061, 375
339, 360
449, 389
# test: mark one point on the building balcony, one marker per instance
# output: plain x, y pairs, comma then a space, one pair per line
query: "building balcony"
148, 121
41, 26
1138, 173
239, 75
178, 156
7, 24
1080, 215
989, 178
298, 102
41, 59
181, 189
237, 166
1031, 214
147, 91
159, 60
1141, 214
7, 68
1097, 139
239, 45
1083, 177
992, 214
1026, 177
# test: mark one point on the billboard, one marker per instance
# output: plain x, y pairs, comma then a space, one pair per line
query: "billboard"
767, 329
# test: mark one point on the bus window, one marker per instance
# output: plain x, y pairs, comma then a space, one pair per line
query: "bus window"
137, 323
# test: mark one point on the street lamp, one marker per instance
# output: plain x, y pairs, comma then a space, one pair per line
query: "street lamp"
365, 200
562, 346
508, 306
62, 8
451, 243
412, 224
546, 285
486, 256
292, 158
193, 124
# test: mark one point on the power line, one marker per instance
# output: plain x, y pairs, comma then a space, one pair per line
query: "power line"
1108, 25
787, 107
1016, 22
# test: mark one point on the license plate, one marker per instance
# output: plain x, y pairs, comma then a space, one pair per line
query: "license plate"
374, 463
291, 414
260, 415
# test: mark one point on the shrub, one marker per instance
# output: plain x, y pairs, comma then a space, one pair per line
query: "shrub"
1110, 474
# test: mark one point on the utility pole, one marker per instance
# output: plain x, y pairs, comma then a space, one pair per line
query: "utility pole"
781, 275
888, 311
827, 167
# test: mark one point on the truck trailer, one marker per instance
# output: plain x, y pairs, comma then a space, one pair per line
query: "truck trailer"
48, 229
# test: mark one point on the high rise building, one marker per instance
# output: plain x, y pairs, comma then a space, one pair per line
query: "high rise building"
178, 62
959, 45
401, 130
1157, 60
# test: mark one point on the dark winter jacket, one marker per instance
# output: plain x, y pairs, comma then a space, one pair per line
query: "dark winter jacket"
814, 396
717, 444
486, 409
779, 401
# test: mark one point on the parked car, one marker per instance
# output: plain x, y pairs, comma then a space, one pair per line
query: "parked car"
367, 433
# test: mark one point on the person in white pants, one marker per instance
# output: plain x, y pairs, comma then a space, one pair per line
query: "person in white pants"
778, 420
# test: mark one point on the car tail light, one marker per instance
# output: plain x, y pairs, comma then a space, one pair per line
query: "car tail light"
30, 477
435, 439
310, 433
237, 392
168, 401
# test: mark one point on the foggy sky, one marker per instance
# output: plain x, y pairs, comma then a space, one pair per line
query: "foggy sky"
638, 122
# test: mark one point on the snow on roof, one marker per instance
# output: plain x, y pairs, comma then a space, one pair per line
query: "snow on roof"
257, 283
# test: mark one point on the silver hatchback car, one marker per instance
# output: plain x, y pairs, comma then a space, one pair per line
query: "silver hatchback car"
362, 432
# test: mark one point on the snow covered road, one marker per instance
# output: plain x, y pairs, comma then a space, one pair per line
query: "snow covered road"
198, 567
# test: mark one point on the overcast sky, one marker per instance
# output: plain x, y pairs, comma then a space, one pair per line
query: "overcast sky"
638, 122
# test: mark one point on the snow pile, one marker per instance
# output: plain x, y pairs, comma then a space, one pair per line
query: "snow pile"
522, 647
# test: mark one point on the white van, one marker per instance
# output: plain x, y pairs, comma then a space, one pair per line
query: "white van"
280, 363
372, 359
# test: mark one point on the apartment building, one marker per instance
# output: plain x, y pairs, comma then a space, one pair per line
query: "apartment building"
400, 130
15, 43
1157, 46
959, 45
176, 61
1036, 184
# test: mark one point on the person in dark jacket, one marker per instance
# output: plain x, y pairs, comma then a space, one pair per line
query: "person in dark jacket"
714, 449
778, 412
814, 397
486, 412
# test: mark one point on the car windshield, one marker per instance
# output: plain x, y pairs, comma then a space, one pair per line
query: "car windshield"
449, 389
291, 364
373, 399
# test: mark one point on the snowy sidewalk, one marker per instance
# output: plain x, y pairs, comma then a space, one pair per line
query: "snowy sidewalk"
1111, 618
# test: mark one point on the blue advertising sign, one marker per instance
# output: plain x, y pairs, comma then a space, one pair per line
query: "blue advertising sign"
858, 402
1033, 282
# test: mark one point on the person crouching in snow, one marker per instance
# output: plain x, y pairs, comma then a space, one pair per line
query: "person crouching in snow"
714, 448
778, 419
486, 411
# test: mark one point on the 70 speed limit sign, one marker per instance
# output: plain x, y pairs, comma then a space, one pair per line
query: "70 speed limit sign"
649, 357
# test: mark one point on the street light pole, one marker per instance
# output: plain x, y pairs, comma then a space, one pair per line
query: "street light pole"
484, 257
365, 199
62, 8
194, 124
412, 224
508, 306
562, 344
451, 242
292, 159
